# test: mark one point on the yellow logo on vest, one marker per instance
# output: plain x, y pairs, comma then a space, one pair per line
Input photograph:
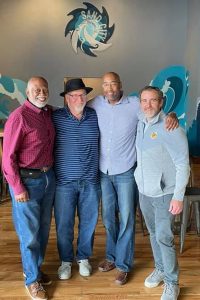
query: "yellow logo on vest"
154, 135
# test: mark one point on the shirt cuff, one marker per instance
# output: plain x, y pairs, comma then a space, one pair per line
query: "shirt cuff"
18, 189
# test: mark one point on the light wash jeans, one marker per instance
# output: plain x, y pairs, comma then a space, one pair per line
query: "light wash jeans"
83, 196
32, 220
159, 222
119, 199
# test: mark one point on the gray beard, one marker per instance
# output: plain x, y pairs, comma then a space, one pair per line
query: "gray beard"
39, 105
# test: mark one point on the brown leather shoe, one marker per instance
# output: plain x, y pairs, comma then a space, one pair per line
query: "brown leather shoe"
121, 277
36, 291
106, 266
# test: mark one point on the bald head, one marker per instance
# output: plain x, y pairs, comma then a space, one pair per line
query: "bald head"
112, 75
34, 79
112, 87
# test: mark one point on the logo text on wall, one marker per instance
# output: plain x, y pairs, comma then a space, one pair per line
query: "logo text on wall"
89, 29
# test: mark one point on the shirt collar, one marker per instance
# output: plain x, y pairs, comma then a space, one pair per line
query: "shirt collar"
123, 99
156, 119
36, 109
70, 115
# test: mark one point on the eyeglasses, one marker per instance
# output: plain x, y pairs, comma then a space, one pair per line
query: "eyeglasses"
76, 96
112, 84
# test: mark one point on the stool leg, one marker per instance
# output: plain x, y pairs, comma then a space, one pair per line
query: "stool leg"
184, 221
197, 216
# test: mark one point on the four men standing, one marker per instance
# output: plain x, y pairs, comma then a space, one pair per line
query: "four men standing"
77, 160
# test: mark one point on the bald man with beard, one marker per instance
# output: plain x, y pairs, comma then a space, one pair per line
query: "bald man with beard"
27, 166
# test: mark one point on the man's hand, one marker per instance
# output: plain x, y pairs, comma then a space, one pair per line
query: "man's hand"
171, 121
23, 197
175, 207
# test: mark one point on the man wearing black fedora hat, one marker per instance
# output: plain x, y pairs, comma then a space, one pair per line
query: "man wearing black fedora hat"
74, 85
76, 168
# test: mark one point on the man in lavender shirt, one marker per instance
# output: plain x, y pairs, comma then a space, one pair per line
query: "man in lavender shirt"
117, 118
27, 161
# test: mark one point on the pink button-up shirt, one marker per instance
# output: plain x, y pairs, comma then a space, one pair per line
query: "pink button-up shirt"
28, 142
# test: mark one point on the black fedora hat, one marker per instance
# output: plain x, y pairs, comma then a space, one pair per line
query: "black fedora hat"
75, 84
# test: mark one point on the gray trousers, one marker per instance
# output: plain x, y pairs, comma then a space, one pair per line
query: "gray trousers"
159, 224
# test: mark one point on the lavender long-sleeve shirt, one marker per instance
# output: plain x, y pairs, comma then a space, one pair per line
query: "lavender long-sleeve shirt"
117, 125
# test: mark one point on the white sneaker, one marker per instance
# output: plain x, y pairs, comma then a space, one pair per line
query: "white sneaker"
171, 292
85, 269
154, 279
65, 270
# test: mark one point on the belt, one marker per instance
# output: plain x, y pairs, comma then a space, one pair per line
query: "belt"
42, 170
45, 169
33, 173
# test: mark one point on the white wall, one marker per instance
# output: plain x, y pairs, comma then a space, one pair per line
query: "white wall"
192, 56
149, 35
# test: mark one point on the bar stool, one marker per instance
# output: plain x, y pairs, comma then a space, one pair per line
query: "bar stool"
191, 200
192, 197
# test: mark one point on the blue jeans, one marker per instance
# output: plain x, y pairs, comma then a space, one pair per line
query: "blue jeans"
159, 222
118, 214
32, 220
83, 196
